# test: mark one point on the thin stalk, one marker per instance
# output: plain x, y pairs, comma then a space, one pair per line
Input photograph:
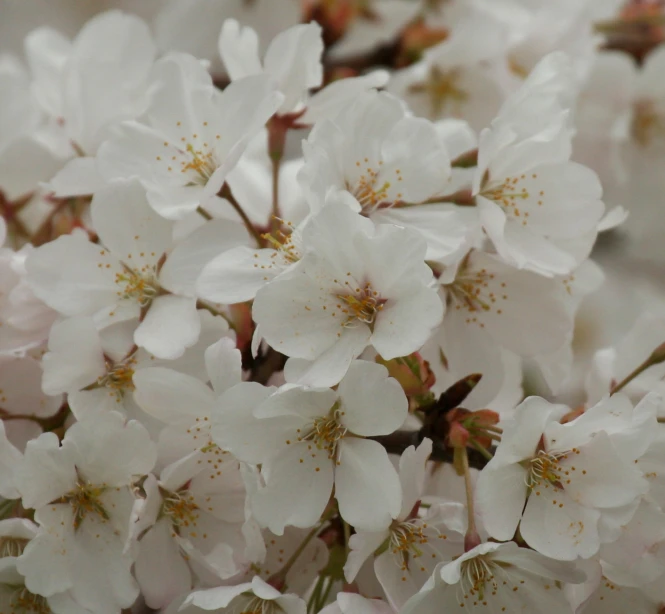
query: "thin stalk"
471, 539
226, 193
655, 358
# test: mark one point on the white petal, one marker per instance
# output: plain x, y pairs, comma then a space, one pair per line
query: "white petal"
71, 276
405, 324
239, 50
46, 473
500, 496
171, 396
79, 177
108, 450
362, 544
10, 458
171, 325
224, 365
160, 571
562, 533
367, 486
373, 403
293, 59
236, 275
186, 262
128, 226
297, 490
412, 474
75, 358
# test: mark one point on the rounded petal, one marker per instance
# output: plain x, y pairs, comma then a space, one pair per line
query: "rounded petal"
367, 486
171, 325
298, 487
373, 403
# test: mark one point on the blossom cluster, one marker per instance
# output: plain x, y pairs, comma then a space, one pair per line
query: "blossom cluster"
276, 283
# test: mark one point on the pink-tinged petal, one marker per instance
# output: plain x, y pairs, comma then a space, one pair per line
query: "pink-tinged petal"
171, 325
21, 385
75, 358
373, 403
367, 486
556, 526
188, 259
10, 459
298, 487
500, 495
160, 570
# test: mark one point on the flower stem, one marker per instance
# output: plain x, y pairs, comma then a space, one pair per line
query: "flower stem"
655, 358
471, 539
278, 579
226, 193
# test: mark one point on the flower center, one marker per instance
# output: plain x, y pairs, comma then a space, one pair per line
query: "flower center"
25, 602
180, 508
361, 306
283, 243
545, 469
12, 546
249, 603
475, 292
367, 192
327, 431
199, 163
84, 500
476, 577
141, 287
118, 378
405, 539
511, 194
443, 91
647, 123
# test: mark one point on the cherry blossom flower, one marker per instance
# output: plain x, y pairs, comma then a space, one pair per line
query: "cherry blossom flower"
557, 469
81, 494
540, 210
87, 86
194, 136
502, 577
254, 596
414, 544
137, 273
309, 439
293, 61
345, 295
